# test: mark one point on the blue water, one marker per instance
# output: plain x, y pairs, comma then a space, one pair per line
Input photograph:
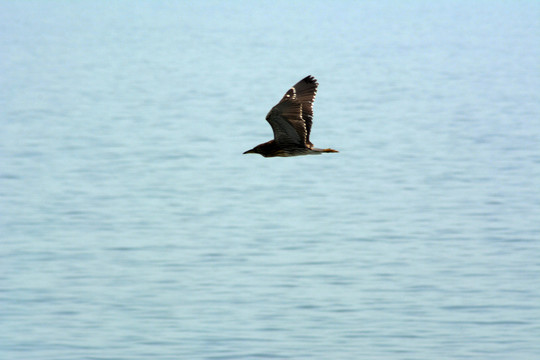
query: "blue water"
132, 227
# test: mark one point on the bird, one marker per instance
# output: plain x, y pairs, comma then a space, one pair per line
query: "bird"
291, 119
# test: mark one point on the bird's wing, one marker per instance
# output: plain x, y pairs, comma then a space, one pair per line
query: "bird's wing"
304, 92
287, 123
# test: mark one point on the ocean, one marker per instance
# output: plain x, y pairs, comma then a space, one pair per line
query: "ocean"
133, 227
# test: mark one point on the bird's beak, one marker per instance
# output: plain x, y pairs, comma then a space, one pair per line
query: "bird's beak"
249, 152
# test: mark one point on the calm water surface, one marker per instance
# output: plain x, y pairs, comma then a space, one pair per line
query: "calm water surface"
132, 227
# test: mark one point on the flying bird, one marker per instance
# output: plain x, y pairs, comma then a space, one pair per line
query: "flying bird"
291, 121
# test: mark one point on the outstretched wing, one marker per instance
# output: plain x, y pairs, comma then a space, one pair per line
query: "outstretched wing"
287, 123
304, 92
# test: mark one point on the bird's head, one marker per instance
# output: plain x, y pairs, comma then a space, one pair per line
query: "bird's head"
255, 150
265, 149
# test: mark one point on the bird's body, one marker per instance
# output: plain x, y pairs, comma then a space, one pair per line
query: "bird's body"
291, 121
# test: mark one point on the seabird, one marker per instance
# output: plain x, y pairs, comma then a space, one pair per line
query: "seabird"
291, 121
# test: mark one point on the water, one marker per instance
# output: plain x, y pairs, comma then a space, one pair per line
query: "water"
132, 227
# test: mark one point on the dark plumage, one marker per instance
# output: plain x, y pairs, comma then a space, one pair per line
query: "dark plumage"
291, 121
